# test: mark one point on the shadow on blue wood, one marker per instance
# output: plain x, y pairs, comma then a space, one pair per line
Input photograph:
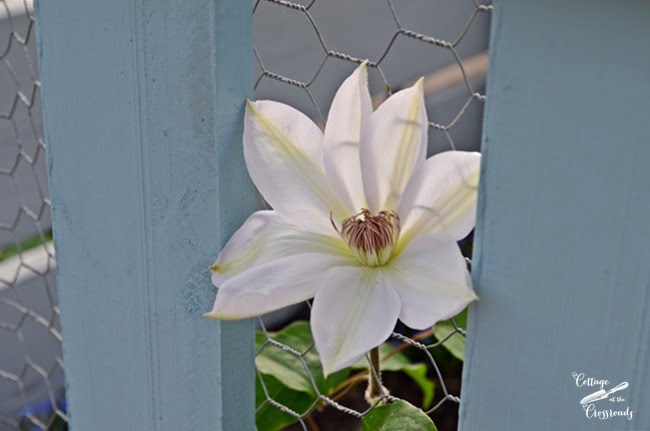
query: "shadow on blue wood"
563, 240
143, 104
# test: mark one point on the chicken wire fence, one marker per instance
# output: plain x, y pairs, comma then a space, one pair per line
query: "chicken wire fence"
31, 367
303, 51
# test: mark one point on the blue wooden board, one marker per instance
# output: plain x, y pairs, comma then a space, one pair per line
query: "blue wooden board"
562, 253
143, 105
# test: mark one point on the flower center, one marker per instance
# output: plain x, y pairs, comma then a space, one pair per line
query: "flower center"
370, 237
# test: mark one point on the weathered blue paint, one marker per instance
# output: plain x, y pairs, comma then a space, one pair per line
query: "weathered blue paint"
143, 108
562, 253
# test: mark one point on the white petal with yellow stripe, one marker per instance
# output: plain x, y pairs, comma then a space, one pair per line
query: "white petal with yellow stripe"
431, 279
349, 113
393, 145
441, 197
264, 237
284, 156
273, 285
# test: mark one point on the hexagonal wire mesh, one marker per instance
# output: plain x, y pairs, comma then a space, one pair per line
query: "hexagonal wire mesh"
305, 50
31, 368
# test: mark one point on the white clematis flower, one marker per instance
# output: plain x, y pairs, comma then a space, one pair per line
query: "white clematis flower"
361, 221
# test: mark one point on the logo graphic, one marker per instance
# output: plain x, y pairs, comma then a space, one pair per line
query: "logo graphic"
597, 411
602, 394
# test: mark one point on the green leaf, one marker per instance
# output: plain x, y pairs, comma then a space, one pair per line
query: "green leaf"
456, 343
269, 417
285, 377
288, 368
418, 372
397, 416
400, 363
27, 244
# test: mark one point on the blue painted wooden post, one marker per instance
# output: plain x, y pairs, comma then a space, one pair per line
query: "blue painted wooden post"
143, 105
563, 239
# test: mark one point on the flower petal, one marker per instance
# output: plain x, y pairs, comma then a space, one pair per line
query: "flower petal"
350, 109
392, 146
283, 151
432, 281
441, 197
273, 285
264, 237
353, 312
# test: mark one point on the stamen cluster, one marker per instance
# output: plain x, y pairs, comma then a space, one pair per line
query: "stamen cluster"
371, 237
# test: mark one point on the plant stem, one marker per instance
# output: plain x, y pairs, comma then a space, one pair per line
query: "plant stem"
344, 387
374, 381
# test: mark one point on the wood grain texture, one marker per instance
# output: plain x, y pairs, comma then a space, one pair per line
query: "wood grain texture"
562, 251
143, 105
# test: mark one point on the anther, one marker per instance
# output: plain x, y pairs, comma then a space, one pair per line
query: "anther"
370, 237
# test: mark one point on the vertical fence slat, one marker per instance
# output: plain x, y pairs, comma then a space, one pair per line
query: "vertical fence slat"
563, 239
143, 105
